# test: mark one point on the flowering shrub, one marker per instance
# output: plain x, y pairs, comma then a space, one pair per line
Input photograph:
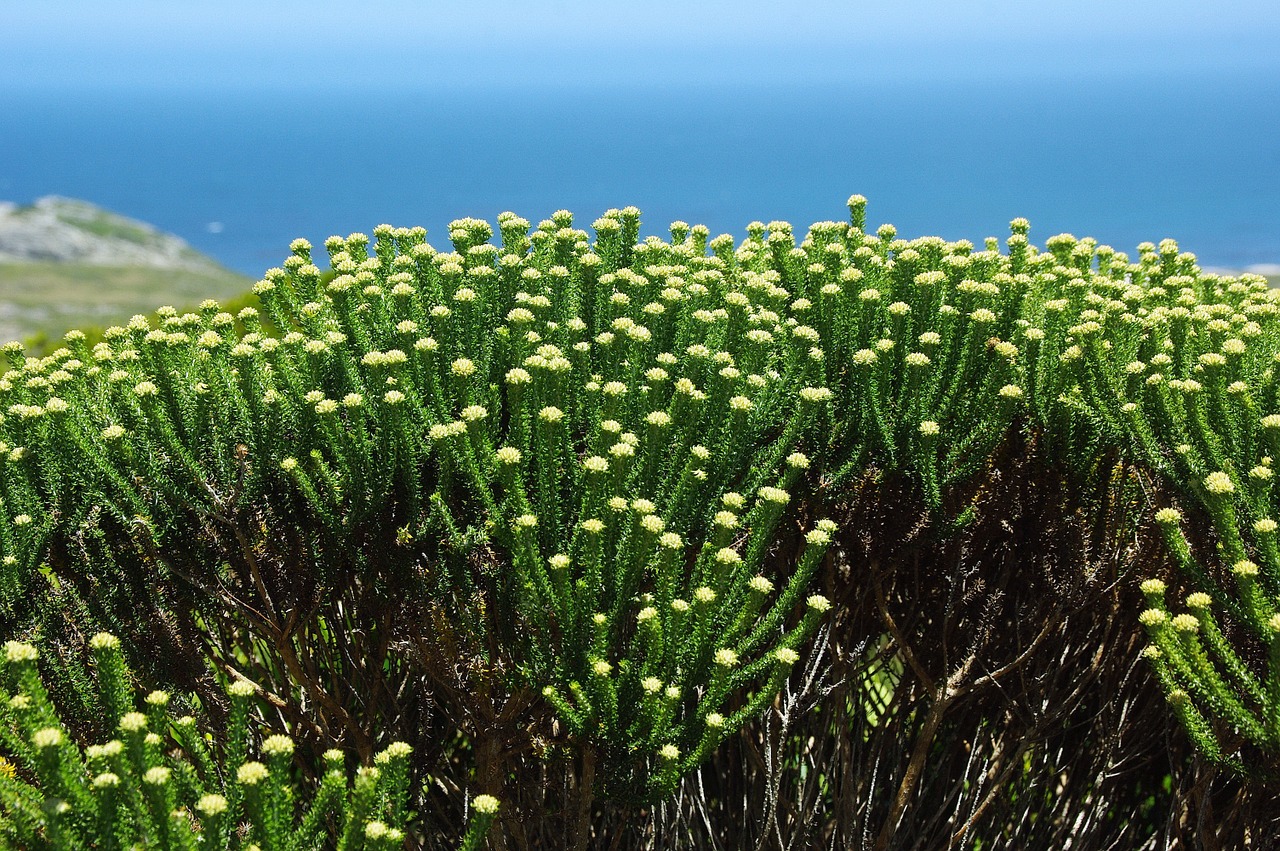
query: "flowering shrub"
564, 469
1173, 366
570, 495
159, 784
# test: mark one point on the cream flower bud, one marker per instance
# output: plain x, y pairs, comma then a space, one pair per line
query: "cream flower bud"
1153, 617
815, 395
104, 641
485, 804
157, 776
48, 737
133, 722
251, 774
726, 658
1219, 483
1244, 567
818, 537
727, 555
658, 419
726, 519
818, 603
774, 495
652, 523
798, 460
241, 688
277, 745
106, 780
1198, 600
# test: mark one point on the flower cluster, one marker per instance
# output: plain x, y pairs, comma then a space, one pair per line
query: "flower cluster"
576, 410
159, 784
586, 448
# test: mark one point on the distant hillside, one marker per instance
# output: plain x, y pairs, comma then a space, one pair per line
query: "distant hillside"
1270, 271
67, 263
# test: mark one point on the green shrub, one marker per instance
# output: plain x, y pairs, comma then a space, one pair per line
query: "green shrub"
485, 454
570, 498
160, 782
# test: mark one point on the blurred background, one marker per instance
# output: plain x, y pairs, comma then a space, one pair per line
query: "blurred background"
238, 126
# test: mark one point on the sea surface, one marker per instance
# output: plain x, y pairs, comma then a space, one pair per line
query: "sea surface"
241, 173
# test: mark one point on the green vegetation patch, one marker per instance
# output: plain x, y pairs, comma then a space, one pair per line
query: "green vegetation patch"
51, 298
591, 499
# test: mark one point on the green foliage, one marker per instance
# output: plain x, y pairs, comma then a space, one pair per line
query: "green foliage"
1173, 367
425, 411
42, 300
164, 782
588, 477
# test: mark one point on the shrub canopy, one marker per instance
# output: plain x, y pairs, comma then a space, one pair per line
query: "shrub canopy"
588, 481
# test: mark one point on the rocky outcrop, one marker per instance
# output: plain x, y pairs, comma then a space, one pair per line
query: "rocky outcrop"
57, 229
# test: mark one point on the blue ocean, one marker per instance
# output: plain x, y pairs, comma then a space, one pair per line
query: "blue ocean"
241, 173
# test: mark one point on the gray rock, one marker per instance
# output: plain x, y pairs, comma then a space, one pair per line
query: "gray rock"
57, 229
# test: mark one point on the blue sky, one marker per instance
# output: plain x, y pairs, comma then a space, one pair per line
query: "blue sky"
179, 44
1126, 119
